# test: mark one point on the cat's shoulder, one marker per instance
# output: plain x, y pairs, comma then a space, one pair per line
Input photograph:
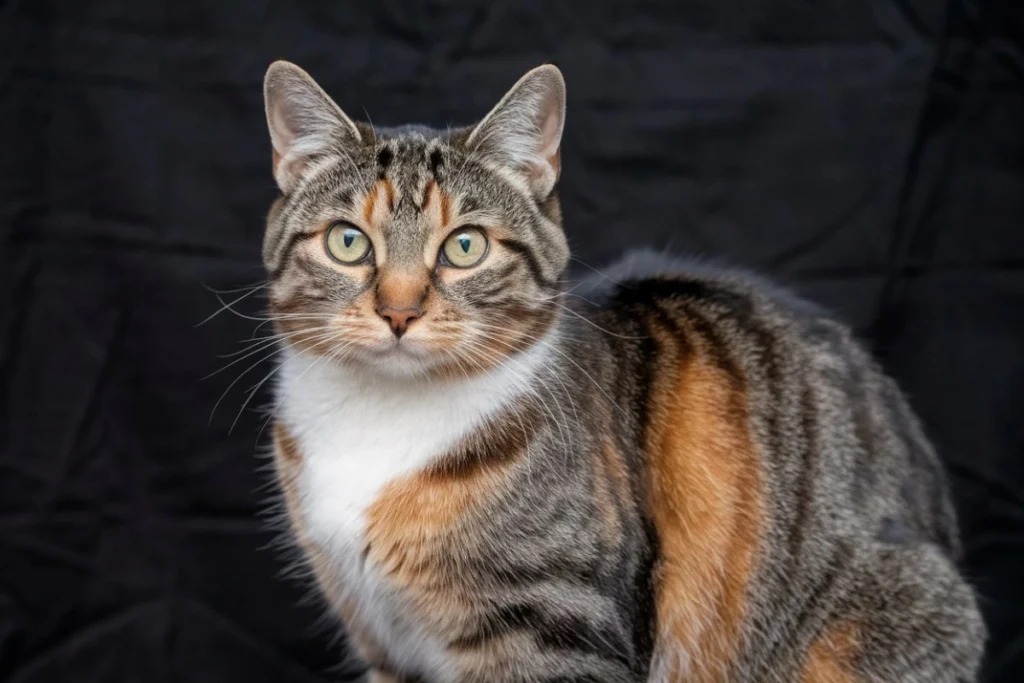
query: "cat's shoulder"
645, 277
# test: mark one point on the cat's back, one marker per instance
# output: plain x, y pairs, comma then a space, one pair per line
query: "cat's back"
789, 482
836, 440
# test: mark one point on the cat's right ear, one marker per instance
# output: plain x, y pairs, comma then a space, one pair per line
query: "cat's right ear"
304, 122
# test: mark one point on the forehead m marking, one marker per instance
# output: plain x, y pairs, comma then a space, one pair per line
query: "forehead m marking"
379, 203
437, 204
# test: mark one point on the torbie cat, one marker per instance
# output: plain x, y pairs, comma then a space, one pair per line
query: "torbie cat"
678, 474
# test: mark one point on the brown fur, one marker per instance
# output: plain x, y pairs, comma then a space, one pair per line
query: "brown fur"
446, 209
405, 544
401, 290
831, 657
705, 502
378, 203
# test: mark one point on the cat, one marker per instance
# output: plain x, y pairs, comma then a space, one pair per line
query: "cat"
672, 473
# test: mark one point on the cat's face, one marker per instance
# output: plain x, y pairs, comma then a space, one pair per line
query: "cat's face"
414, 252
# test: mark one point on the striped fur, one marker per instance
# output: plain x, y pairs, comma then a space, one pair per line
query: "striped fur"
675, 473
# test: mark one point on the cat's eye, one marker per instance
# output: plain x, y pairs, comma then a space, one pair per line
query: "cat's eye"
464, 248
347, 244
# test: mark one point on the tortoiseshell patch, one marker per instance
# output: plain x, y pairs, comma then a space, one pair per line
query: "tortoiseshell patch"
706, 504
444, 498
830, 658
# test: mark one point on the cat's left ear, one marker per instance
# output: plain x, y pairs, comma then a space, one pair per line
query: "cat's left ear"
524, 131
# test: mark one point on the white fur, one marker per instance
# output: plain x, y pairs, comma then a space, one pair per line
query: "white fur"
358, 431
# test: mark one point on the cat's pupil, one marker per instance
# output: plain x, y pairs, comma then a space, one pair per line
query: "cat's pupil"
348, 239
464, 242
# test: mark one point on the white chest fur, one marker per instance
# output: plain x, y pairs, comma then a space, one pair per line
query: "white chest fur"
357, 433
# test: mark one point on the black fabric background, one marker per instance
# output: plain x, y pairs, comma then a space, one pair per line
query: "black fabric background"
869, 153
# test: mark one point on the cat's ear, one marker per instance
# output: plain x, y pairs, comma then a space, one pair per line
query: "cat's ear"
304, 122
524, 131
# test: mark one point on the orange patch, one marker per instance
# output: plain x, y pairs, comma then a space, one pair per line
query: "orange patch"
412, 524
420, 526
369, 204
389, 193
446, 209
705, 502
401, 290
830, 659
378, 203
437, 208
412, 518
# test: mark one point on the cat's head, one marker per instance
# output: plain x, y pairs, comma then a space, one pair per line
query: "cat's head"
412, 251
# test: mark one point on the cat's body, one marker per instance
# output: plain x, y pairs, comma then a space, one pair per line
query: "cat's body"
681, 475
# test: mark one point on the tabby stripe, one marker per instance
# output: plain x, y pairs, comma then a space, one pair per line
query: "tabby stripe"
502, 274
640, 292
283, 218
492, 446
854, 385
275, 216
436, 162
531, 261
341, 197
816, 599
282, 259
648, 349
315, 270
561, 633
645, 616
556, 568
805, 477
384, 157
500, 285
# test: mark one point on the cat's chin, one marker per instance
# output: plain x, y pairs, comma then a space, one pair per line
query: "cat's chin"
400, 363
396, 360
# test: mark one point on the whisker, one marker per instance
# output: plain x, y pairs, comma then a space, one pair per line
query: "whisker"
277, 350
323, 339
554, 347
227, 306
257, 285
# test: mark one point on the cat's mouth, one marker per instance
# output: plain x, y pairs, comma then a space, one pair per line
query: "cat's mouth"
402, 356
399, 348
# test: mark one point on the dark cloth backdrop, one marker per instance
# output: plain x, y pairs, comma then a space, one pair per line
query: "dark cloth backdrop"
869, 153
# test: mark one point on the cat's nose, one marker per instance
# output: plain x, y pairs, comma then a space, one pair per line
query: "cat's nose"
399, 318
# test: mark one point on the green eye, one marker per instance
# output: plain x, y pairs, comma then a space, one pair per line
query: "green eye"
346, 243
465, 247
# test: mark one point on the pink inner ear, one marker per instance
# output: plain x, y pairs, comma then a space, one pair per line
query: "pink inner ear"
281, 134
549, 133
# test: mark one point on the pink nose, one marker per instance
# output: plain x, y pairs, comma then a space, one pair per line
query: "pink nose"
399, 318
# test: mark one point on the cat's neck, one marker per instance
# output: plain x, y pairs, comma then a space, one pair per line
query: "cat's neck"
312, 388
